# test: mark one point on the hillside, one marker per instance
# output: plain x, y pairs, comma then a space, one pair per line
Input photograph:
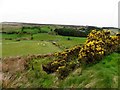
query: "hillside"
59, 56
13, 26
101, 75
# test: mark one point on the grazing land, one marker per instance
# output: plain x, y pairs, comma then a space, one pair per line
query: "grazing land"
41, 44
27, 47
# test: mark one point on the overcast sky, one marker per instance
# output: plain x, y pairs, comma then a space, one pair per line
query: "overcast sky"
73, 12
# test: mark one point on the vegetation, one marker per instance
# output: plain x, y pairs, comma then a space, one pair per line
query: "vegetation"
80, 32
49, 56
96, 47
28, 47
99, 44
100, 75
71, 32
41, 43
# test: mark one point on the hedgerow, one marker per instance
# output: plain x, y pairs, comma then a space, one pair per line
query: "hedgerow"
65, 62
98, 44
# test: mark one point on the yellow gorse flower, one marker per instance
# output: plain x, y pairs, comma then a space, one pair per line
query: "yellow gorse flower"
97, 44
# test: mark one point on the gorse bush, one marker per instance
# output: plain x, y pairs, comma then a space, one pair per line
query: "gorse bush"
65, 62
98, 44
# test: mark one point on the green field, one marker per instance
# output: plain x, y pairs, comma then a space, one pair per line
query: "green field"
41, 44
14, 36
28, 47
61, 40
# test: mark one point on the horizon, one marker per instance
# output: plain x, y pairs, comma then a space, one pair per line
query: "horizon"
57, 24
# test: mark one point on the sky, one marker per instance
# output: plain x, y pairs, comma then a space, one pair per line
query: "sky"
69, 12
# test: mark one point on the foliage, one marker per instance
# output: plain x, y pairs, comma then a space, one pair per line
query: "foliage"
99, 44
81, 32
71, 32
101, 75
65, 62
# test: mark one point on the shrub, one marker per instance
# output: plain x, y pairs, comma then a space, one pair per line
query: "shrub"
99, 44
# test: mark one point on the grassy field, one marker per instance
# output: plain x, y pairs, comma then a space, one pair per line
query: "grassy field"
14, 36
61, 40
101, 75
41, 44
28, 47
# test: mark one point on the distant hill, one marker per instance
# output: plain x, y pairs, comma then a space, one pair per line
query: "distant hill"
13, 26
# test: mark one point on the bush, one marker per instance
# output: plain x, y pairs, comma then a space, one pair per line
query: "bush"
99, 44
64, 63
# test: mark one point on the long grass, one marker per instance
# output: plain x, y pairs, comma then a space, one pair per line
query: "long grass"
101, 75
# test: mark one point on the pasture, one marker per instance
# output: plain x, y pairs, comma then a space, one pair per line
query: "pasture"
28, 47
41, 44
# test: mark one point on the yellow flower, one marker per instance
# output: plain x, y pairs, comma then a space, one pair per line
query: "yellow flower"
55, 62
61, 67
92, 53
98, 49
102, 52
